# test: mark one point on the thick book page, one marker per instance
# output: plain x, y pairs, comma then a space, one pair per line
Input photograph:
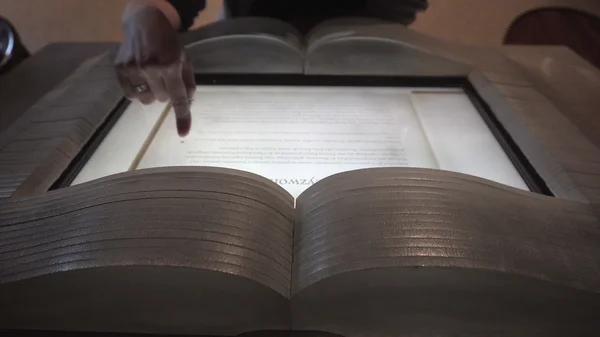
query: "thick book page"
295, 136
392, 250
248, 45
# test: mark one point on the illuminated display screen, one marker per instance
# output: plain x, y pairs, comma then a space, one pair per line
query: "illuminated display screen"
297, 135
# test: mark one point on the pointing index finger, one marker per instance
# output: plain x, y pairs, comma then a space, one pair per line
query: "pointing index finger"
180, 101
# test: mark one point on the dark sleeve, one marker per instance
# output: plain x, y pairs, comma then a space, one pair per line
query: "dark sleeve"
401, 11
188, 11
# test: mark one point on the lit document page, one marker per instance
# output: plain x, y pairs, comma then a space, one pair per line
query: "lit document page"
296, 136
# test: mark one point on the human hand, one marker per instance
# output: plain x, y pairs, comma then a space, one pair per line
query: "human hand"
152, 65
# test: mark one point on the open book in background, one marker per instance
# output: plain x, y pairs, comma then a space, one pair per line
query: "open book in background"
298, 135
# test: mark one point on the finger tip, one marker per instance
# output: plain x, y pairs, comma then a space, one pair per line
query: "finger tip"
183, 126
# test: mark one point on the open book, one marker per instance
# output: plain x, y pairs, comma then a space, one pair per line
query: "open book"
358, 210
214, 251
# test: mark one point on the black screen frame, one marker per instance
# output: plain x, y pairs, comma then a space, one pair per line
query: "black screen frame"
525, 168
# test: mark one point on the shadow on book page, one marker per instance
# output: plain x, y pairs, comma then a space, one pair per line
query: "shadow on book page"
298, 135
